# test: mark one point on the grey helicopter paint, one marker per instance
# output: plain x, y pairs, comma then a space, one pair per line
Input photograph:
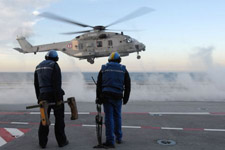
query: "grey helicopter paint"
92, 43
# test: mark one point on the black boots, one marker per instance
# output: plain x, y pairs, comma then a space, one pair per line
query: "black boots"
64, 144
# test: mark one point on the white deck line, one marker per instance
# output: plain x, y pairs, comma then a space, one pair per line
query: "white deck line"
179, 113
88, 125
214, 130
67, 113
128, 127
2, 141
168, 128
132, 127
15, 132
19, 123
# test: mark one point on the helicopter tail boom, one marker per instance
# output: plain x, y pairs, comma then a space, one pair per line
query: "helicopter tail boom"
26, 47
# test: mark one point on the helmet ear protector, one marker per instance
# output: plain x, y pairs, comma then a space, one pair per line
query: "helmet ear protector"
115, 60
51, 58
52, 55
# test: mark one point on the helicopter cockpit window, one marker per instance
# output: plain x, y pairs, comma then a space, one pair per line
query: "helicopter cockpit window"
99, 43
110, 43
129, 40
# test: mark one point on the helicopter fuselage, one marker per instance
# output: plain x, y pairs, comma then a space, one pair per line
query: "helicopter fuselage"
89, 46
100, 44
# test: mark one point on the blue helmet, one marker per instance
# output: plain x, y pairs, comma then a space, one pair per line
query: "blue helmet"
115, 57
52, 55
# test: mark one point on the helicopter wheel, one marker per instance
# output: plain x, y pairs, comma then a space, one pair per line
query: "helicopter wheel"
138, 57
91, 60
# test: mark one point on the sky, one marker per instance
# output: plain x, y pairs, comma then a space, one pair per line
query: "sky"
175, 33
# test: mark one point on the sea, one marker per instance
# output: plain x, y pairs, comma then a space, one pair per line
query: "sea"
18, 87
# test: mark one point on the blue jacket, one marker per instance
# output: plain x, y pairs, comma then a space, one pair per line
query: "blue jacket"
113, 82
48, 81
113, 77
44, 72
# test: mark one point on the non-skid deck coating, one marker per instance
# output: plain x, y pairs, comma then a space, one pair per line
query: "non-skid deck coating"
192, 125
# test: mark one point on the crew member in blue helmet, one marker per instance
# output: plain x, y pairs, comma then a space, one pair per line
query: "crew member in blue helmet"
113, 90
48, 82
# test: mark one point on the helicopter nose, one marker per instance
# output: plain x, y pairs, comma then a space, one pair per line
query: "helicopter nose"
143, 47
140, 46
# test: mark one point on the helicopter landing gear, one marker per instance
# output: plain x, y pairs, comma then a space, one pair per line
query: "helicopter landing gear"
91, 60
138, 56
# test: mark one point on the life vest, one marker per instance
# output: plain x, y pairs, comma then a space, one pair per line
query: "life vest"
113, 77
44, 72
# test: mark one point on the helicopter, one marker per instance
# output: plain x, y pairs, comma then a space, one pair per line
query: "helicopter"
92, 43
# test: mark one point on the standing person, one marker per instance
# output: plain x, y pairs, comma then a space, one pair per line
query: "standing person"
113, 89
48, 82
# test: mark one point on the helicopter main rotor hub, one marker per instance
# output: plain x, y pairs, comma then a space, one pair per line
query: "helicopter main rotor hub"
99, 28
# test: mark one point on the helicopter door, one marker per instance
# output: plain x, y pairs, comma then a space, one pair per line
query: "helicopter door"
90, 46
110, 44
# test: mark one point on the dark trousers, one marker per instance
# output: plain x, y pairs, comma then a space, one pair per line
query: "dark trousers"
59, 127
113, 121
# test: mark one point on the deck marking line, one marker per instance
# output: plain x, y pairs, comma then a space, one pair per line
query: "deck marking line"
15, 132
149, 127
168, 128
6, 135
132, 127
19, 132
66, 113
2, 141
9, 134
217, 113
214, 130
88, 125
19, 123
193, 129
179, 113
135, 113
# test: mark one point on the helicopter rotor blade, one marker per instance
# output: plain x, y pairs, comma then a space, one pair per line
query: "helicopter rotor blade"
124, 30
58, 18
137, 13
68, 33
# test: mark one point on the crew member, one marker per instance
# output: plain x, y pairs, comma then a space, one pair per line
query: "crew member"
113, 89
48, 82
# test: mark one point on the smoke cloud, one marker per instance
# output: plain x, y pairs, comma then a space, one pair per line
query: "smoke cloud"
208, 85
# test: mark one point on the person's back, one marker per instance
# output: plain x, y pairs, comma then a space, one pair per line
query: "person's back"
113, 79
44, 72
113, 89
47, 81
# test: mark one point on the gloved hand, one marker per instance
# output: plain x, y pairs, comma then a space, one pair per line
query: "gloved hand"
40, 102
98, 101
125, 101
